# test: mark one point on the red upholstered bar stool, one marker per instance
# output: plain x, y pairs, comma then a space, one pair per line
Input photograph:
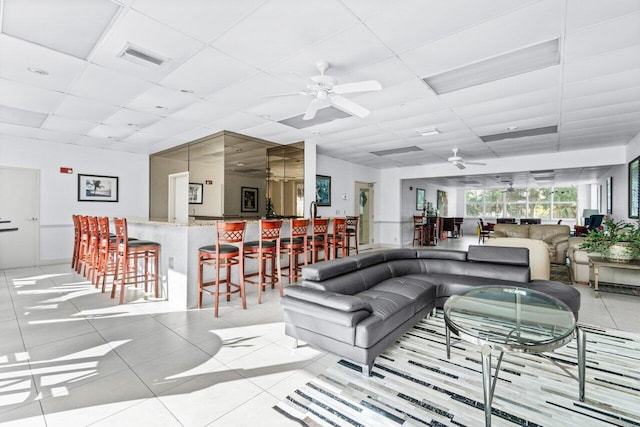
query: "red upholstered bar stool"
294, 246
352, 232
319, 239
266, 248
129, 255
338, 238
226, 252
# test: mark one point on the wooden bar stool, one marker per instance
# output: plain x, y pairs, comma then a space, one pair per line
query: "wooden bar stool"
106, 253
319, 239
91, 265
76, 241
418, 230
129, 253
266, 248
338, 238
352, 232
294, 246
83, 249
227, 251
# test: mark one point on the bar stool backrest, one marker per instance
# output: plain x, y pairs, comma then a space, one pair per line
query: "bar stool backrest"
120, 225
418, 220
230, 232
299, 228
320, 226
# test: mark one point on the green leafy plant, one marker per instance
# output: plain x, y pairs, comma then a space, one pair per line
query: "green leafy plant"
614, 232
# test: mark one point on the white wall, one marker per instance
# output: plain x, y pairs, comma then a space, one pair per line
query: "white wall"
59, 192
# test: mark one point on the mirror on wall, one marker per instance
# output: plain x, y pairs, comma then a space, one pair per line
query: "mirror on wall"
231, 176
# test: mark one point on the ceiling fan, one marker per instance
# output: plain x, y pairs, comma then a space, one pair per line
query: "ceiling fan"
459, 162
326, 92
510, 188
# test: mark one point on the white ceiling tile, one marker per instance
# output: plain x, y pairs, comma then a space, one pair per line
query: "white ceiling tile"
602, 85
201, 112
85, 109
64, 137
140, 138
170, 100
18, 131
62, 69
614, 62
205, 20
27, 97
508, 103
621, 33
520, 84
197, 133
207, 71
603, 111
110, 87
167, 127
110, 132
509, 32
628, 94
407, 24
48, 23
63, 124
153, 38
268, 35
248, 92
583, 13
130, 118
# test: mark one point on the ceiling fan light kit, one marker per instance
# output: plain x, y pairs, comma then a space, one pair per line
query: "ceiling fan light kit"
459, 162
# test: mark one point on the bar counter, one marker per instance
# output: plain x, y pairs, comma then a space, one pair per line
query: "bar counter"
179, 255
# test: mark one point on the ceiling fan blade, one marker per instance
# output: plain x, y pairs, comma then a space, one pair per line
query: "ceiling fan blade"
459, 165
476, 163
275, 95
363, 86
348, 106
313, 108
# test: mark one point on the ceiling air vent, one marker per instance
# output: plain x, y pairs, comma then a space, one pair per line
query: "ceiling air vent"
520, 134
141, 56
396, 151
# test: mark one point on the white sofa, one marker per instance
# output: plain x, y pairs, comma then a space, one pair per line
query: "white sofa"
539, 262
580, 271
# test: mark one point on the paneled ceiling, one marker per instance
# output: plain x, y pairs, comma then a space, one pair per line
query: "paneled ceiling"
64, 78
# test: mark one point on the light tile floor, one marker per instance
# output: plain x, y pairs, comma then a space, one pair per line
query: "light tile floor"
70, 356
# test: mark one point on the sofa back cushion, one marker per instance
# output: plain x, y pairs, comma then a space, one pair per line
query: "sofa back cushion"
498, 262
511, 230
547, 232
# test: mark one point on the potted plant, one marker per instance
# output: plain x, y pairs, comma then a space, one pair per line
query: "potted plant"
619, 241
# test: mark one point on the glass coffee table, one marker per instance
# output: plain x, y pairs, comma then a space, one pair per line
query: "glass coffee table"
510, 319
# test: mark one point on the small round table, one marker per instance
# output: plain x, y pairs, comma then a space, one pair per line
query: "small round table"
511, 319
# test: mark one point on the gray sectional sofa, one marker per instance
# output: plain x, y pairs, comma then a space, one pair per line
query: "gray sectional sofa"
357, 306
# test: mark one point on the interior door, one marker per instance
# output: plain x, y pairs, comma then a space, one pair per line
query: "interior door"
364, 210
179, 197
19, 217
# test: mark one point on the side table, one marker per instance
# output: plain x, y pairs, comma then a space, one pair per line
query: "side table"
595, 262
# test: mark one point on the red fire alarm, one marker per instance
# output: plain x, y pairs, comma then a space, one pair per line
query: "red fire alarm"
208, 182
66, 170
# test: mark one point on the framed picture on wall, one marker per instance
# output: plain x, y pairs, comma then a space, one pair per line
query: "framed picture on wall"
634, 187
420, 195
443, 203
195, 193
609, 196
97, 188
323, 190
249, 199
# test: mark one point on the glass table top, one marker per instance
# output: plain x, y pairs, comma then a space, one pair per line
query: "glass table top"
510, 318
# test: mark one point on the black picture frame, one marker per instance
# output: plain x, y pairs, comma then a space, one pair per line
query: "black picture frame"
195, 193
97, 188
634, 188
609, 196
420, 196
248, 199
323, 190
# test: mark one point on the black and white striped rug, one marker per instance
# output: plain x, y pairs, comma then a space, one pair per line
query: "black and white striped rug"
413, 383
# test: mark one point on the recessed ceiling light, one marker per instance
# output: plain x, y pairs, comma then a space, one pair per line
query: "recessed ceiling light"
132, 124
265, 116
161, 107
427, 132
186, 91
38, 71
513, 127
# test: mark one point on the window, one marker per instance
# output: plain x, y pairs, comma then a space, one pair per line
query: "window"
550, 203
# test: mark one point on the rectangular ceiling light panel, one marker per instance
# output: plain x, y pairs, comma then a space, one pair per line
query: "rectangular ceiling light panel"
520, 133
521, 61
396, 151
324, 115
71, 27
16, 116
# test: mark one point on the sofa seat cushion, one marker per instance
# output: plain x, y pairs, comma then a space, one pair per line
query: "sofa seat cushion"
390, 310
565, 293
416, 289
